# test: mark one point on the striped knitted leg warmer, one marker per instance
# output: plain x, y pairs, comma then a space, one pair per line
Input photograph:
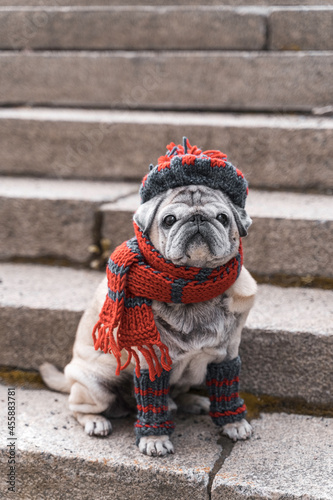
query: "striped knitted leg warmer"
223, 385
152, 405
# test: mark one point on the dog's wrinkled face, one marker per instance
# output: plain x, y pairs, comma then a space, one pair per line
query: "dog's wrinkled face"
193, 226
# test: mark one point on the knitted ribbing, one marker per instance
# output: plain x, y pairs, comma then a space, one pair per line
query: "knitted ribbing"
137, 274
186, 165
222, 381
153, 418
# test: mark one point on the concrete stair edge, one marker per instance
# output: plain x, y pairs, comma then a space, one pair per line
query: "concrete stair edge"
61, 219
280, 222
287, 345
288, 152
265, 3
279, 347
54, 218
248, 28
56, 457
149, 80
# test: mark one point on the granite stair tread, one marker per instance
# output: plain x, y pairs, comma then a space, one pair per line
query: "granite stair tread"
56, 218
288, 333
266, 3
284, 152
271, 81
86, 103
58, 459
158, 27
281, 220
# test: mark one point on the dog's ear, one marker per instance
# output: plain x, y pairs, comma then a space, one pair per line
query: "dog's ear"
146, 212
242, 218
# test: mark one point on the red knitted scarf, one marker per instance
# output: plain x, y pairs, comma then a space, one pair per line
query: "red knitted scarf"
138, 274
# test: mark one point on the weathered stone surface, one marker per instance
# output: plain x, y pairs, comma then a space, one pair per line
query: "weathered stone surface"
55, 288
287, 345
301, 28
291, 234
46, 228
273, 151
40, 310
31, 336
133, 28
49, 218
58, 460
37, 3
290, 456
51, 189
117, 219
169, 80
166, 27
296, 247
280, 222
289, 332
278, 309
40, 307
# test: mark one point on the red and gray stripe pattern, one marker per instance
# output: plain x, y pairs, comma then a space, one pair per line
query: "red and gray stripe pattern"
153, 417
138, 274
222, 381
186, 165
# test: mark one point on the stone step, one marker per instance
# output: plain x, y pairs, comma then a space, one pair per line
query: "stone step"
210, 80
155, 28
291, 232
300, 28
289, 456
61, 219
166, 28
289, 332
69, 3
53, 218
45, 304
284, 152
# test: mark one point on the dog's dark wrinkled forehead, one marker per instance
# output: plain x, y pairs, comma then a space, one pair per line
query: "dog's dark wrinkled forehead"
186, 165
195, 195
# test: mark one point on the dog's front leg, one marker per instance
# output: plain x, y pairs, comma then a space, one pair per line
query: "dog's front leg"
227, 409
153, 426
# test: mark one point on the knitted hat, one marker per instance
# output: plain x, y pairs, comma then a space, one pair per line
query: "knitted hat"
184, 165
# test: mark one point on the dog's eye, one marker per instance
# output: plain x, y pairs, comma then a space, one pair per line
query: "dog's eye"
223, 218
169, 220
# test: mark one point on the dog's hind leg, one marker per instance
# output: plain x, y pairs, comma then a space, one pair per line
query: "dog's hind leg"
88, 411
193, 403
54, 378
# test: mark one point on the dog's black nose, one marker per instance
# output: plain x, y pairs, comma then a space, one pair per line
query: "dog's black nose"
198, 218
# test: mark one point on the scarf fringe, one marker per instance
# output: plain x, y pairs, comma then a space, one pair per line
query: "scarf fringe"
137, 275
106, 342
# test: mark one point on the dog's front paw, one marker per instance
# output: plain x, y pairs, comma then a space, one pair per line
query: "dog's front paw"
95, 425
238, 430
155, 446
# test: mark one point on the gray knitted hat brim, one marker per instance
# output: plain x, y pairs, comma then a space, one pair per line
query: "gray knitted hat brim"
224, 178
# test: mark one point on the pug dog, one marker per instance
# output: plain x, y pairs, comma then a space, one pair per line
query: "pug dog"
190, 226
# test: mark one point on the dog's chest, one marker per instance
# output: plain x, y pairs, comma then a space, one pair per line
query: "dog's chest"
187, 328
